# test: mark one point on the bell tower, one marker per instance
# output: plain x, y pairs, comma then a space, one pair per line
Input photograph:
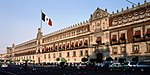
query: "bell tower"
39, 43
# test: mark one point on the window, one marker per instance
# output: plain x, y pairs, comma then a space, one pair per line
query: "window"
137, 34
44, 56
32, 57
74, 54
74, 59
81, 53
98, 40
122, 37
76, 44
68, 45
86, 42
135, 49
54, 55
114, 38
72, 45
59, 46
86, 53
80, 44
56, 47
148, 48
49, 56
91, 38
123, 49
68, 55
148, 32
60, 55
114, 50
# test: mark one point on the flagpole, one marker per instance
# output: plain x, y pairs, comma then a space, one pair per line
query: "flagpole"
41, 20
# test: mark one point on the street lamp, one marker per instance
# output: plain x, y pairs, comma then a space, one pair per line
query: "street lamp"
107, 50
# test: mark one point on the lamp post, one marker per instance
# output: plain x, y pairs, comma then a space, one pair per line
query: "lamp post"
125, 52
107, 50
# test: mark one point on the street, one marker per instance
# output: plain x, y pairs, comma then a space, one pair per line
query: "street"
40, 70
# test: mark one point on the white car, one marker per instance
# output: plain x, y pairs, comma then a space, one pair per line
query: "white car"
4, 65
118, 67
83, 66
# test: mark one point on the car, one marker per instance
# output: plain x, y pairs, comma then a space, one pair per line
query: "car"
118, 67
143, 66
99, 65
132, 65
83, 66
4, 65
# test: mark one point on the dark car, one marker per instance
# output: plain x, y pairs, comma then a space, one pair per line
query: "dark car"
143, 66
132, 65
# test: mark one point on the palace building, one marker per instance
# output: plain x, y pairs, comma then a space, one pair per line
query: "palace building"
125, 33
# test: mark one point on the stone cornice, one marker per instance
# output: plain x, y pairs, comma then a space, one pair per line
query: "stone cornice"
66, 29
130, 9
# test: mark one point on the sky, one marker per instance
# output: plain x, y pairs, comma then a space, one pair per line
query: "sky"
20, 19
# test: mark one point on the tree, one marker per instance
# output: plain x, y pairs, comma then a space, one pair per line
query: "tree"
121, 60
109, 59
63, 60
116, 59
57, 59
99, 57
136, 59
92, 60
84, 59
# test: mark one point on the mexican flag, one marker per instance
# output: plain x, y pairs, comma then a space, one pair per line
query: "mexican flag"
46, 19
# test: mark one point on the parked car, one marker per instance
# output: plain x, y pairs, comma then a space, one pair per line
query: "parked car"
132, 65
99, 66
118, 67
83, 66
4, 65
143, 66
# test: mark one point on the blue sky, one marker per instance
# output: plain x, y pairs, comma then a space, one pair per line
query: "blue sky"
20, 19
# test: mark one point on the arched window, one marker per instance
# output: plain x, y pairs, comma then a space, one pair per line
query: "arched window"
80, 44
72, 44
68, 45
63, 46
76, 44
86, 42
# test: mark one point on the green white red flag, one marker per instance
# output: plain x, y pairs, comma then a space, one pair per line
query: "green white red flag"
46, 19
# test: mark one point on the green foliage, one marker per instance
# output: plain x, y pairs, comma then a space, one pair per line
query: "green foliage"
57, 59
33, 60
25, 60
63, 60
99, 58
109, 59
92, 60
84, 59
121, 60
